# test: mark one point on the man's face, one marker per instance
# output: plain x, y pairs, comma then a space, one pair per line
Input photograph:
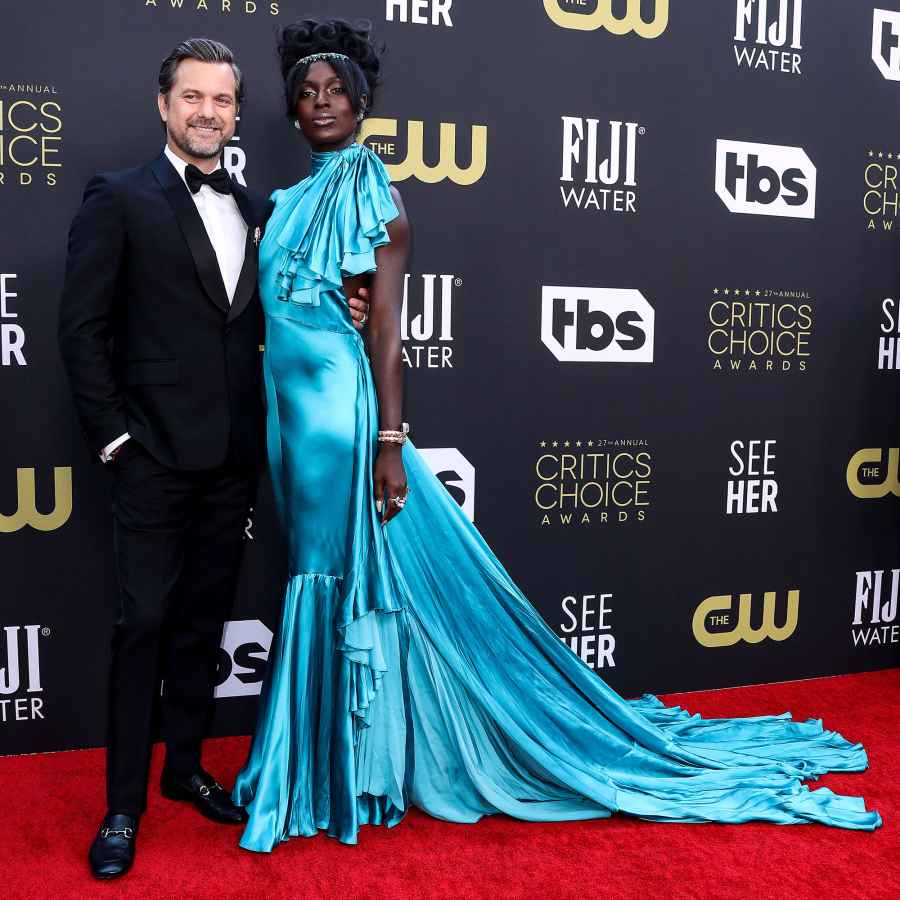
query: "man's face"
200, 109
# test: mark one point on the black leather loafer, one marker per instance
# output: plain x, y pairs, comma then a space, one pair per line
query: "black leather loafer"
112, 852
210, 798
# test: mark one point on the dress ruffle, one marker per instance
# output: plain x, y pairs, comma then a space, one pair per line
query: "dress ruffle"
330, 224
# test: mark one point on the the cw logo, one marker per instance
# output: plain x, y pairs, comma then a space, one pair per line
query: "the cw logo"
415, 164
867, 463
603, 17
27, 513
718, 609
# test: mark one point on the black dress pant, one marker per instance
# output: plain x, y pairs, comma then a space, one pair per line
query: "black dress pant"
178, 544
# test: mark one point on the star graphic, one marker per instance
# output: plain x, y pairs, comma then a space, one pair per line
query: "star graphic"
880, 154
758, 293
871, 153
565, 443
543, 443
556, 443
727, 292
715, 290
577, 443
590, 443
747, 293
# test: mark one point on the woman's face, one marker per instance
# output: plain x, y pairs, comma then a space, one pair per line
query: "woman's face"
324, 111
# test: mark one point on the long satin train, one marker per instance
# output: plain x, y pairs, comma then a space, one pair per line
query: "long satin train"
461, 701
409, 668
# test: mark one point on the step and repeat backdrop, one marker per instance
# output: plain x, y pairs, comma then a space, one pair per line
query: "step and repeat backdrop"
652, 322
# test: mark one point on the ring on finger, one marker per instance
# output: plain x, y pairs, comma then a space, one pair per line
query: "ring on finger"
400, 501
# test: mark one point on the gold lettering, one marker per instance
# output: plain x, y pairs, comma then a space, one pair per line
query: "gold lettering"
873, 491
743, 630
414, 164
603, 17
27, 514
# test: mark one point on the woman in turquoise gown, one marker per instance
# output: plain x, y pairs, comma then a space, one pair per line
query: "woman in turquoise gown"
409, 669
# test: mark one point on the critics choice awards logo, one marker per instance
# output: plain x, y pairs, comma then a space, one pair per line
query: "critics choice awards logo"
31, 134
752, 487
870, 477
765, 179
717, 624
380, 135
420, 12
880, 197
426, 323
592, 482
26, 513
753, 330
599, 163
12, 334
20, 673
586, 630
584, 324
223, 7
622, 17
875, 608
767, 35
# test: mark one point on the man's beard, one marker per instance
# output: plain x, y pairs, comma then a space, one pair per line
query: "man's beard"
184, 143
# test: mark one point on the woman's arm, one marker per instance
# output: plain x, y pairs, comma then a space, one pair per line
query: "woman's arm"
385, 352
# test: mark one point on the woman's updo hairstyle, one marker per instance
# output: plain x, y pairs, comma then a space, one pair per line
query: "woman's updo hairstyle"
359, 73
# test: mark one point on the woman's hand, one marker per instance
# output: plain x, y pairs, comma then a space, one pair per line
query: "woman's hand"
390, 481
359, 308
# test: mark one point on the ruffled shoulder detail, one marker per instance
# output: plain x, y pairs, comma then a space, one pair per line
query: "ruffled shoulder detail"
330, 224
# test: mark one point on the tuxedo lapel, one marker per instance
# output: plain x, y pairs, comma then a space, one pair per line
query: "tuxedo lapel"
193, 230
246, 286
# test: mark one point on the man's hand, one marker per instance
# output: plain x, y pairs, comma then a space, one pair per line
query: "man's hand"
359, 308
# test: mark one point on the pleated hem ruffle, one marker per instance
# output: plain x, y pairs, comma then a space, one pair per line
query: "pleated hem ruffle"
314, 766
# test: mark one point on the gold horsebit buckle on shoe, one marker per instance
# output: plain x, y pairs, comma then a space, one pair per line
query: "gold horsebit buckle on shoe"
125, 832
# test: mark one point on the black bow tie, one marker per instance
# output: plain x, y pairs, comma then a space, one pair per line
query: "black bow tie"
219, 180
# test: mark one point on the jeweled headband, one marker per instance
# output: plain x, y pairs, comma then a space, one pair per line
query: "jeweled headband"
315, 57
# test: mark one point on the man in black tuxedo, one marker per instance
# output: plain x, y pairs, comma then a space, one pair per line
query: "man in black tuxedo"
160, 331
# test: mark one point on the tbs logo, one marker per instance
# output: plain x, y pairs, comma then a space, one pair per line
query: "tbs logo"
242, 658
886, 43
456, 473
597, 324
765, 179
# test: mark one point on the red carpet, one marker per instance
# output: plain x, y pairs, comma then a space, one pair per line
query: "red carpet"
52, 803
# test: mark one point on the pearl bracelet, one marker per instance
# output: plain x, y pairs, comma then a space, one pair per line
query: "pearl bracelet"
394, 437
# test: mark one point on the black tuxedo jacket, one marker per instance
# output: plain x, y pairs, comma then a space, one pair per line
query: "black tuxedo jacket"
147, 335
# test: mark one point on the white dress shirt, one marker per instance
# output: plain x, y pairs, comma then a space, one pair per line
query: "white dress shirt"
227, 232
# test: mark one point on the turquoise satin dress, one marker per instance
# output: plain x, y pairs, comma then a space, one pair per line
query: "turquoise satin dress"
409, 669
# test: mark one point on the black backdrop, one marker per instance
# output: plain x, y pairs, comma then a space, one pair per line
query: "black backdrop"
634, 212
